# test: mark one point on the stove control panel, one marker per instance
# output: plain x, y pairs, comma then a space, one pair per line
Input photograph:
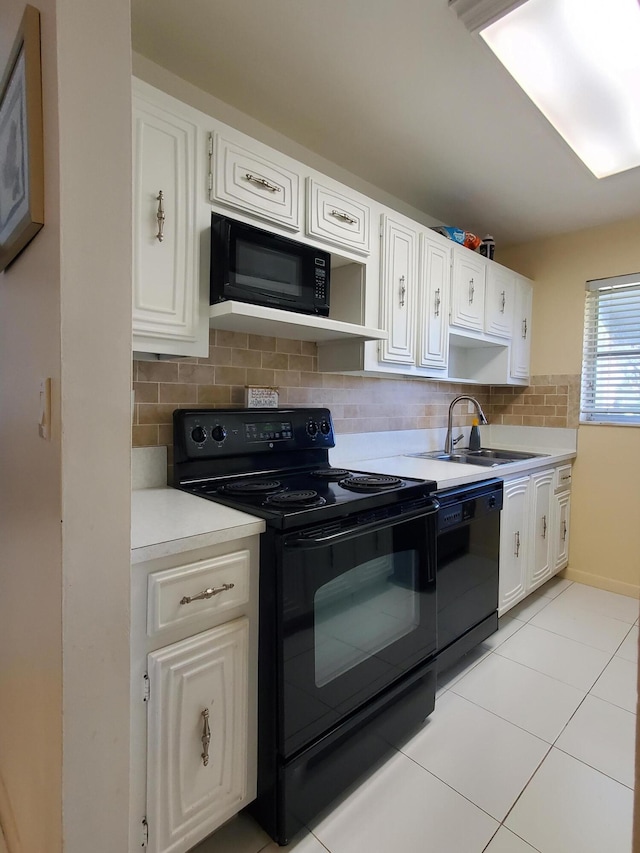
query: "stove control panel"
220, 433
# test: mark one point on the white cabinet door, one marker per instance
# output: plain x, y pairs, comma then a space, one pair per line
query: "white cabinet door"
197, 736
253, 180
562, 506
170, 216
521, 342
399, 271
499, 301
513, 543
540, 533
336, 218
434, 286
468, 289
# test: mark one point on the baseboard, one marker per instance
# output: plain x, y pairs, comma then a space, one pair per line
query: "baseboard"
601, 582
8, 829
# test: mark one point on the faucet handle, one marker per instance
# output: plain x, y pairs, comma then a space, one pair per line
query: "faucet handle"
454, 441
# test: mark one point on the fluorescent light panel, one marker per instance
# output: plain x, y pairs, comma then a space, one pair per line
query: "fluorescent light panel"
579, 62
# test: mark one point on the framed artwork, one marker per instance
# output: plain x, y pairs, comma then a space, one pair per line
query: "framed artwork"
21, 146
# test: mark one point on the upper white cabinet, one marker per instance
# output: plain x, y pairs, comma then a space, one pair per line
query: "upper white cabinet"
521, 341
398, 291
337, 218
253, 180
171, 220
468, 289
499, 301
433, 313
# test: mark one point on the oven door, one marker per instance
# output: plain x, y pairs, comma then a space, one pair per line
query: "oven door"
358, 613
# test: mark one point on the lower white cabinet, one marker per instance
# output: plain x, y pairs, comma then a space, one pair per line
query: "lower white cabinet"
194, 694
533, 534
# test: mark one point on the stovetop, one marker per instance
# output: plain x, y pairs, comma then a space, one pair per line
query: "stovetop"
274, 463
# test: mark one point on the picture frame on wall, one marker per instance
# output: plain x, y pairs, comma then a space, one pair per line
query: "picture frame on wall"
21, 142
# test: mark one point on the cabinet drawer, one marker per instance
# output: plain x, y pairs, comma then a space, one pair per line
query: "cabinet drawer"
225, 579
336, 218
563, 477
251, 182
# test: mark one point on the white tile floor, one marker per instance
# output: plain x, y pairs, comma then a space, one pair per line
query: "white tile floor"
530, 747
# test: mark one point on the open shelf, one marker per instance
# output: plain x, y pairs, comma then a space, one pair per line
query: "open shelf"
258, 320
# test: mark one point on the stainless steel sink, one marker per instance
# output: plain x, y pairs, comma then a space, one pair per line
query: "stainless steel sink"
488, 457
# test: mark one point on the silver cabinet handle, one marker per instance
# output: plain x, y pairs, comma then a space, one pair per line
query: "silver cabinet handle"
206, 593
403, 291
564, 531
503, 301
544, 526
160, 216
436, 312
517, 548
566, 477
472, 290
524, 328
206, 737
263, 183
344, 216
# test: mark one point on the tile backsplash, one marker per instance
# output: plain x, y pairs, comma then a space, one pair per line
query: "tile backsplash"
357, 403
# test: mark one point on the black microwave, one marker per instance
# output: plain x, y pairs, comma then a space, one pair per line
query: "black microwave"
249, 264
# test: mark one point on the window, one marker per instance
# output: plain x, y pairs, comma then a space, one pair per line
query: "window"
611, 355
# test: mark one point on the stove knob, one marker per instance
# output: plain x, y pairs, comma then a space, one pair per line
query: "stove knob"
312, 428
218, 433
325, 427
198, 435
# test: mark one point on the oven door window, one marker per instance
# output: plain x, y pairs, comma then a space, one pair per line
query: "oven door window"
361, 612
358, 612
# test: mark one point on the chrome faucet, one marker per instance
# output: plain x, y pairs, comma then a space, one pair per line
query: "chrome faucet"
448, 442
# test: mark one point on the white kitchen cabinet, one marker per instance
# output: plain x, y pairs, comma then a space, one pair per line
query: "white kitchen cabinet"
499, 301
521, 340
533, 533
171, 221
433, 312
338, 218
468, 289
194, 693
251, 177
398, 291
197, 736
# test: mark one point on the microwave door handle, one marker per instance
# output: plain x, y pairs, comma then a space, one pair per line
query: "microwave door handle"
303, 542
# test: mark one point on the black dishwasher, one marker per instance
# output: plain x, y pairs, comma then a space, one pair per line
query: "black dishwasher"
467, 577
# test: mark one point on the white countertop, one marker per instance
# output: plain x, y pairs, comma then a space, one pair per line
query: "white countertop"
167, 521
448, 474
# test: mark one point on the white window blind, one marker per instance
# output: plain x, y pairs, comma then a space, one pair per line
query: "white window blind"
611, 354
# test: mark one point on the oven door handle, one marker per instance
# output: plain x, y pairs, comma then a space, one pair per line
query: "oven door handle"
430, 508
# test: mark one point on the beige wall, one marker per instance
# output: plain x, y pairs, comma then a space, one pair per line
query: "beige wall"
605, 535
64, 503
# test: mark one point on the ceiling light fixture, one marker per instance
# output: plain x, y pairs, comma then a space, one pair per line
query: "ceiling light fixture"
579, 62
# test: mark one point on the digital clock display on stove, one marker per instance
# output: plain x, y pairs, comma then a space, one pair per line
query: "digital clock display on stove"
268, 431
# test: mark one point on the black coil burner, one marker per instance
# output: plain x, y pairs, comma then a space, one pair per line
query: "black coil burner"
251, 487
330, 474
299, 498
371, 483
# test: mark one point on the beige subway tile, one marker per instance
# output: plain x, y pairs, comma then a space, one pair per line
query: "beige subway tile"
275, 361
532, 420
246, 358
217, 355
197, 374
555, 399
234, 340
309, 348
318, 398
158, 371
262, 343
165, 435
546, 389
309, 379
230, 375
334, 380
512, 420
534, 399
562, 411
555, 422
214, 395
237, 395
562, 389
285, 345
258, 376
144, 436
152, 413
287, 378
300, 362
146, 392
178, 394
